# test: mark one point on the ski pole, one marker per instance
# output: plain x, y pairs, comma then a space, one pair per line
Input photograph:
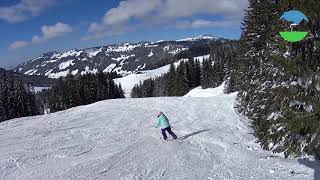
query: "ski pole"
175, 128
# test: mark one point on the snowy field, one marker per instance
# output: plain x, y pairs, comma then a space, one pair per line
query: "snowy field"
39, 89
129, 81
210, 92
115, 139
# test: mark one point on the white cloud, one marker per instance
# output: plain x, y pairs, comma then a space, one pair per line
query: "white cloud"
98, 31
183, 8
48, 32
130, 9
200, 23
114, 20
24, 10
168, 13
18, 44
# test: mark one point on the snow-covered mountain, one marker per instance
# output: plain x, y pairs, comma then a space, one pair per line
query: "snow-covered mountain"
116, 139
33, 80
121, 58
201, 37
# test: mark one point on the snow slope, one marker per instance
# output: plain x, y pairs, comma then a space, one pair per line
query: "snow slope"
39, 89
199, 92
115, 139
129, 81
198, 38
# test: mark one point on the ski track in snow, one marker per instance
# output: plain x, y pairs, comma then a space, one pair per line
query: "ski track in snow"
115, 139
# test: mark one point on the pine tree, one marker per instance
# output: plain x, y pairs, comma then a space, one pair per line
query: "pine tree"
274, 90
181, 86
193, 73
206, 74
74, 91
189, 70
71, 92
121, 92
197, 72
134, 92
16, 98
170, 81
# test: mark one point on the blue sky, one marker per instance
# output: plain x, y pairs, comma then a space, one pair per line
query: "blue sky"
32, 27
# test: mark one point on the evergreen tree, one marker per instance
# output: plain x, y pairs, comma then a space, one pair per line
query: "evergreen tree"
170, 81
206, 74
197, 74
181, 87
278, 91
16, 98
193, 73
74, 91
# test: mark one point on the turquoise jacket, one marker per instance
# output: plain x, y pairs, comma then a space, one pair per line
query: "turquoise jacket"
163, 121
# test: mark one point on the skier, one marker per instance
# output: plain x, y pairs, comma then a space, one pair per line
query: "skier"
165, 126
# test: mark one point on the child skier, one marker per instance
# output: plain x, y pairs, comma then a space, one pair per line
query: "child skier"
163, 121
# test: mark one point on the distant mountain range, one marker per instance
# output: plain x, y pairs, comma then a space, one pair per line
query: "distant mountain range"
34, 80
123, 58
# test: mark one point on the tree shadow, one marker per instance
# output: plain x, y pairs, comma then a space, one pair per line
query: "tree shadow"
312, 164
192, 134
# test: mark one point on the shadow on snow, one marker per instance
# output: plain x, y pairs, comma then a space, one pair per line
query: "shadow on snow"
192, 134
312, 164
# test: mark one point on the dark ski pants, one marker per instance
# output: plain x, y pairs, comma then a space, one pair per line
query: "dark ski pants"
169, 131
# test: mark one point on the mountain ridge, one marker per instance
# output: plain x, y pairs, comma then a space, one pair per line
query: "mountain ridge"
122, 58
195, 38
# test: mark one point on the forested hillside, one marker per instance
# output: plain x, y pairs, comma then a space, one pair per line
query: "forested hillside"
16, 98
189, 72
33, 80
73, 91
279, 81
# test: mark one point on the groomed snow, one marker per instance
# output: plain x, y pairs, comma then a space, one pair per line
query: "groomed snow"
150, 54
178, 50
31, 72
115, 139
75, 72
66, 64
122, 48
199, 92
87, 71
129, 81
109, 68
39, 89
72, 52
93, 52
123, 57
198, 38
58, 74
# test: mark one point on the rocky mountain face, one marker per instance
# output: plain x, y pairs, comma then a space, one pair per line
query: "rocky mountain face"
123, 58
